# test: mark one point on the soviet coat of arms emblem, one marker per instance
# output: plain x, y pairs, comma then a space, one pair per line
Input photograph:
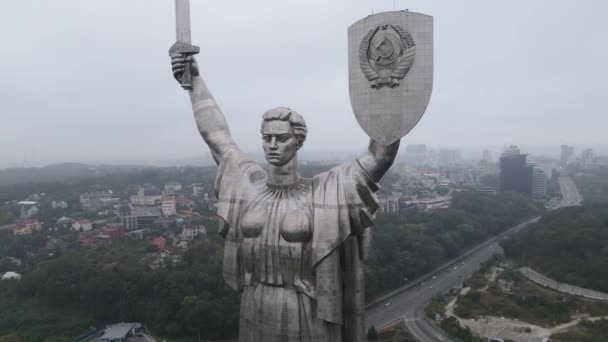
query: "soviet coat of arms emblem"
386, 55
390, 71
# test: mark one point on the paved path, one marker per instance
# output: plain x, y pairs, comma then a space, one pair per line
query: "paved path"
561, 287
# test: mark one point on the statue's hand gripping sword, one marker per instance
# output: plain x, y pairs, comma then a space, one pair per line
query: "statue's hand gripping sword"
183, 46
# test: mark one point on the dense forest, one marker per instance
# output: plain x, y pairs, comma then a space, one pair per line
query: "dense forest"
114, 283
569, 245
410, 243
60, 298
69, 291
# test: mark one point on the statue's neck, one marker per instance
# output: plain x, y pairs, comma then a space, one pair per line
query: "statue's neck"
286, 175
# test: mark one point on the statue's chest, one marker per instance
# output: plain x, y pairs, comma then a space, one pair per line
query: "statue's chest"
275, 216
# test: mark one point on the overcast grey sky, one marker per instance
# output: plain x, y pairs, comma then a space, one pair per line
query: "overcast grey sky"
90, 80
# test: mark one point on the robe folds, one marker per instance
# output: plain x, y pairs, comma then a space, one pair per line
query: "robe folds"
296, 254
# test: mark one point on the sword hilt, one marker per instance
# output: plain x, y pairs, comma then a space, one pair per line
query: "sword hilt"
185, 49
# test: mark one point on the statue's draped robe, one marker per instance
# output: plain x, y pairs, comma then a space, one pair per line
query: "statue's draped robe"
302, 291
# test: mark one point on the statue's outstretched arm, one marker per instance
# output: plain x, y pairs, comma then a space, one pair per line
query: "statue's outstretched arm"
378, 158
209, 118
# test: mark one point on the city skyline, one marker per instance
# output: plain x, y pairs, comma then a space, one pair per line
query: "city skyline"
91, 82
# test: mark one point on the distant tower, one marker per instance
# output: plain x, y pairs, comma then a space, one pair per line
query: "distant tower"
515, 173
587, 158
486, 155
416, 154
566, 154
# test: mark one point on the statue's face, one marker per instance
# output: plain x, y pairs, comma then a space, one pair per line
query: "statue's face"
280, 144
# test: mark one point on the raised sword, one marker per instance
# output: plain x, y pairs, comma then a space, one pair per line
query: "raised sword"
183, 46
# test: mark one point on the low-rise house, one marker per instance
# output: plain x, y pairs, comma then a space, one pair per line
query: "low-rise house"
113, 231
64, 222
59, 205
27, 226
160, 243
11, 276
28, 209
190, 233
181, 244
82, 225
184, 201
126, 332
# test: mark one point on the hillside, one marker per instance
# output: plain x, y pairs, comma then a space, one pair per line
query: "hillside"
569, 245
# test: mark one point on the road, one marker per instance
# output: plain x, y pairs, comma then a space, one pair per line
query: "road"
408, 304
570, 194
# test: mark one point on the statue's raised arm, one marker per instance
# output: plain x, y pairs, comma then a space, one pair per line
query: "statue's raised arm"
209, 118
379, 158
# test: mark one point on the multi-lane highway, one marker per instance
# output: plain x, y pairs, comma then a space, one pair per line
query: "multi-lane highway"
409, 302
570, 194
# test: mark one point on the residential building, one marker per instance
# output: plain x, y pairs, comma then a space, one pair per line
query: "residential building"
113, 232
198, 189
388, 204
145, 216
11, 276
173, 187
82, 225
429, 204
59, 205
28, 209
184, 201
168, 205
147, 196
190, 233
126, 332
94, 200
128, 220
27, 226
160, 243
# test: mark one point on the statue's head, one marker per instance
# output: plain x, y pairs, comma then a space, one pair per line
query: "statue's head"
283, 133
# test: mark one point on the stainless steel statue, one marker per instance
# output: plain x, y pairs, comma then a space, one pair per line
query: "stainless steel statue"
294, 246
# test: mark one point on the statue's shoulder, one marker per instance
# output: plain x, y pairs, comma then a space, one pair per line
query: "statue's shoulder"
237, 167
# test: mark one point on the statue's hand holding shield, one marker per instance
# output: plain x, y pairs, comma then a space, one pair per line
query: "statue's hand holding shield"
390, 57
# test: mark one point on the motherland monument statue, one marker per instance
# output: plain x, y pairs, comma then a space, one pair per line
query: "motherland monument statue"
294, 246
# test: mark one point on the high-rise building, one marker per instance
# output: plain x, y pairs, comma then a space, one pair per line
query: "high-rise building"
486, 155
566, 153
587, 160
448, 157
415, 154
539, 183
515, 173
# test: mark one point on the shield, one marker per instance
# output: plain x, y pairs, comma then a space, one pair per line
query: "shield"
390, 62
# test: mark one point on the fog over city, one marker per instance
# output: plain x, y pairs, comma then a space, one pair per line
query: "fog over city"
90, 81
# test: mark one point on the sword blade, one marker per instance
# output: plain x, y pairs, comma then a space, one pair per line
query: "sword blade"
182, 21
